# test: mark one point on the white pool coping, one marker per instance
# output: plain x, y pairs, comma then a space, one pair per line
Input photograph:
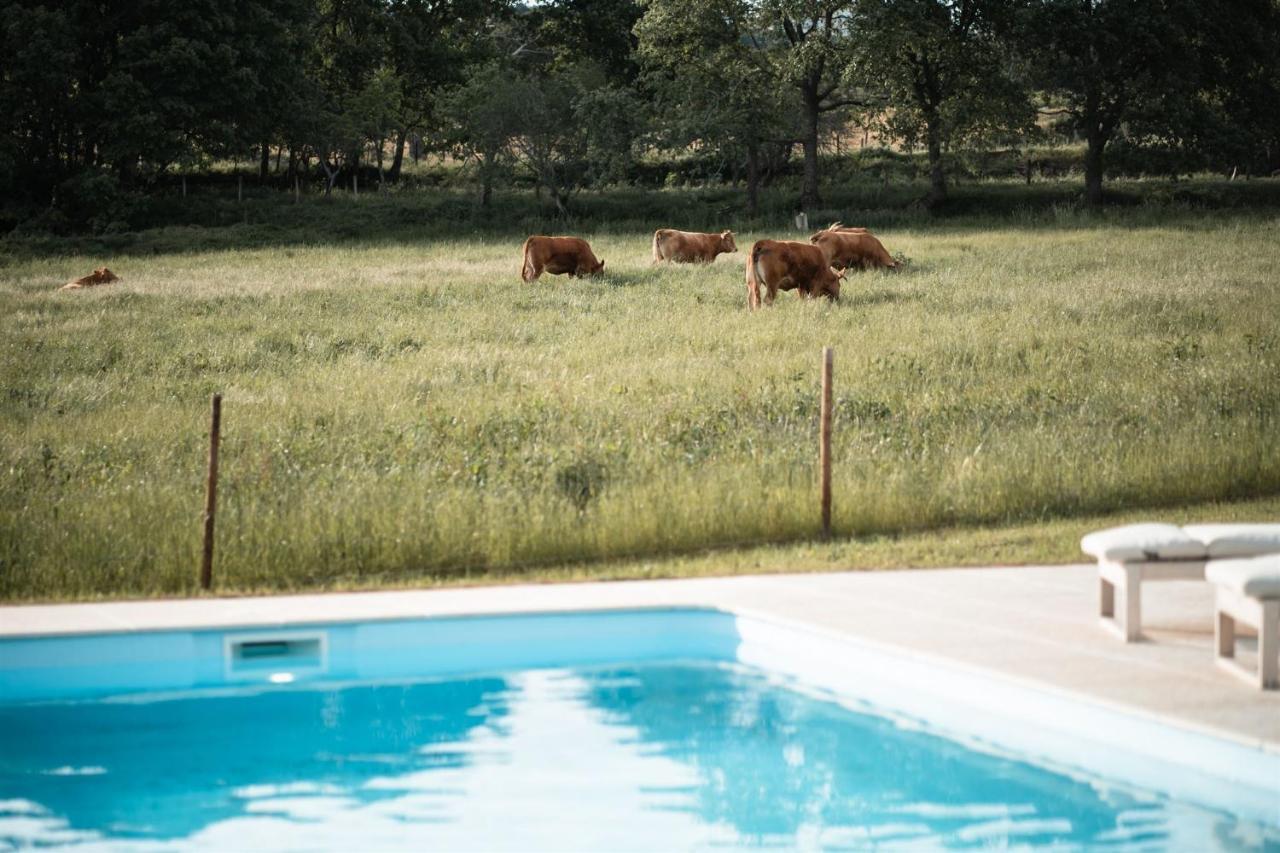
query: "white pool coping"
1031, 626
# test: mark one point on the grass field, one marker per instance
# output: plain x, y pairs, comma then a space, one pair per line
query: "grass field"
406, 409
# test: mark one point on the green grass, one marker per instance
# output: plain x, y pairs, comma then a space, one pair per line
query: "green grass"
1030, 543
401, 409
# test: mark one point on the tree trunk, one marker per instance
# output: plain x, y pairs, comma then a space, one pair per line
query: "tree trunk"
127, 169
397, 159
264, 163
486, 177
753, 177
937, 173
1096, 135
809, 196
1093, 166
381, 177
557, 192
330, 175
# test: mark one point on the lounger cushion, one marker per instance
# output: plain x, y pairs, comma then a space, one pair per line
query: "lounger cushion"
1236, 540
1255, 577
1142, 542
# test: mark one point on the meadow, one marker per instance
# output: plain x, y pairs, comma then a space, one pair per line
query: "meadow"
399, 407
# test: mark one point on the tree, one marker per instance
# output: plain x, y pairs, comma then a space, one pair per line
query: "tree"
1225, 111
125, 90
712, 83
596, 33
1111, 62
817, 36
351, 93
943, 69
478, 121
560, 133
39, 98
273, 37
433, 44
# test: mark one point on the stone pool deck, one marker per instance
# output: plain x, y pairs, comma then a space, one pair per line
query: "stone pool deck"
1034, 624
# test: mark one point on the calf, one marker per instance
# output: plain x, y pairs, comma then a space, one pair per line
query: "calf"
786, 265
690, 247
558, 255
98, 276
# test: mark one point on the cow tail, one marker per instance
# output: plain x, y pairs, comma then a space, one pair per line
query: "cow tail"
526, 269
753, 278
656, 256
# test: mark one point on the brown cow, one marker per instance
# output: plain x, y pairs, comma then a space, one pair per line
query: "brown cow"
690, 247
847, 247
558, 255
788, 265
101, 275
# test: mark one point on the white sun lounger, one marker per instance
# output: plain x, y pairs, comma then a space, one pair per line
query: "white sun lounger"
1129, 555
1248, 591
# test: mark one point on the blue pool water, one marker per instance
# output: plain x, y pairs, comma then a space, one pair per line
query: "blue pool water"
659, 755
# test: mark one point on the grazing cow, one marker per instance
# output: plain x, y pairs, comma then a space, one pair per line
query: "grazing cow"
98, 276
786, 265
558, 255
840, 226
847, 247
690, 247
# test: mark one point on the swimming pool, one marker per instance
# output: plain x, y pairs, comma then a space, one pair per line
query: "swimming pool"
653, 729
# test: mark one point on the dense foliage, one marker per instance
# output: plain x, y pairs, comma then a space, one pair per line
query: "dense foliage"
105, 100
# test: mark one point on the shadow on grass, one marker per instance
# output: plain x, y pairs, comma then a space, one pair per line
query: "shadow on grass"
620, 279
267, 219
869, 298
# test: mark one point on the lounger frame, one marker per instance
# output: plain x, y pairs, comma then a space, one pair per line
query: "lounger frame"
1128, 578
1263, 615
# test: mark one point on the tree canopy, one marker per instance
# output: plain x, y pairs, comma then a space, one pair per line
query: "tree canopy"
112, 97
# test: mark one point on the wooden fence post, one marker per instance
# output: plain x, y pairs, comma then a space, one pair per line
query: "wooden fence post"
240, 189
211, 495
297, 192
824, 440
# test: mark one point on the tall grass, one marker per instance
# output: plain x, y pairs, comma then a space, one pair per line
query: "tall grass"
409, 407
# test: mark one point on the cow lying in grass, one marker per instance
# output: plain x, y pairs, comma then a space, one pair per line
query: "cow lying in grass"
690, 247
98, 276
846, 247
785, 265
558, 256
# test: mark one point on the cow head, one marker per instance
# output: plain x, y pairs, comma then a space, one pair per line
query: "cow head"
104, 275
830, 285
726, 242
598, 269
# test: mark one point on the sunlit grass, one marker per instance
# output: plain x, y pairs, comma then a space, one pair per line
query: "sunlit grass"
412, 409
